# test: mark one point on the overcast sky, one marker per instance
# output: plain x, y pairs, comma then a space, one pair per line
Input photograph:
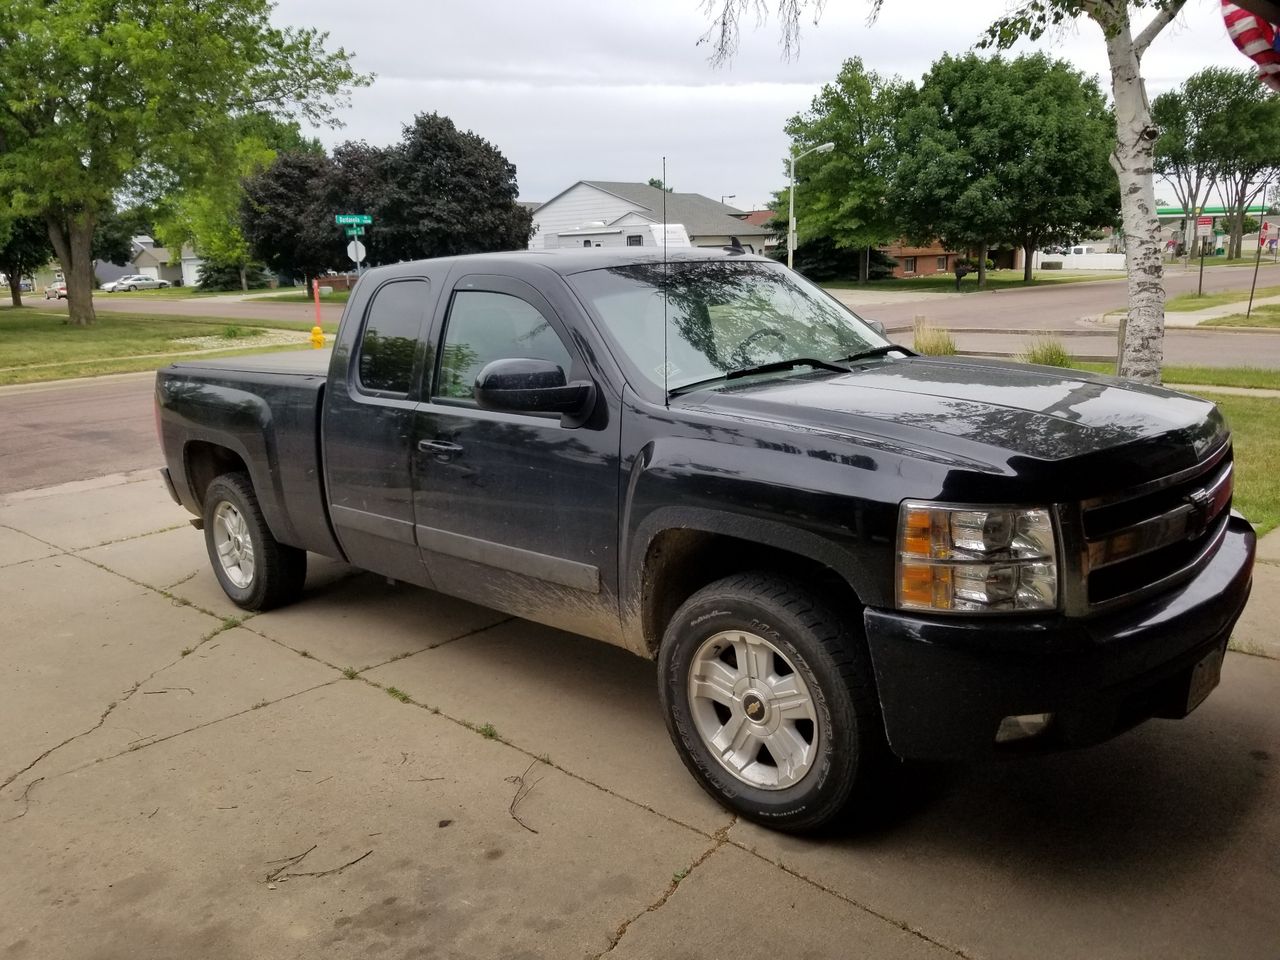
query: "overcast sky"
602, 90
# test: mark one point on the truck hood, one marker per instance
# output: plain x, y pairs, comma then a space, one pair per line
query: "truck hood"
979, 410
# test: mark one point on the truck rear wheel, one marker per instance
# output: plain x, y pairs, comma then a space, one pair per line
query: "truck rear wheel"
255, 570
770, 700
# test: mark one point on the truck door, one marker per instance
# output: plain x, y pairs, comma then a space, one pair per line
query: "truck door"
368, 430
513, 510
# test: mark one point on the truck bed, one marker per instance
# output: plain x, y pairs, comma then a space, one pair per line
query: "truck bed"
266, 409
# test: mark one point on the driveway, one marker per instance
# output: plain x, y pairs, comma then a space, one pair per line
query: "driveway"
178, 781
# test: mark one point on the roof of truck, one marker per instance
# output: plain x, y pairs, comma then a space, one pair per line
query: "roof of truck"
568, 260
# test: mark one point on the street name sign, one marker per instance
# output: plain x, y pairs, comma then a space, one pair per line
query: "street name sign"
352, 219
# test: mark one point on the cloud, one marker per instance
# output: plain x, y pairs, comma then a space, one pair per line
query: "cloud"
571, 91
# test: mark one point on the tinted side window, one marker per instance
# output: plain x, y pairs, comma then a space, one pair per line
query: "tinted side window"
484, 327
391, 336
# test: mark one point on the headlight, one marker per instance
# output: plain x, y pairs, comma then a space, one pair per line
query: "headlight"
976, 559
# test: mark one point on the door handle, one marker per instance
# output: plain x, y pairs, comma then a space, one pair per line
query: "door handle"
439, 446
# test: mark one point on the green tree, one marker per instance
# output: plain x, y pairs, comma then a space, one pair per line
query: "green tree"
140, 95
657, 184
843, 194
24, 249
287, 215
1182, 152
1057, 183
439, 192
1142, 352
205, 214
1240, 134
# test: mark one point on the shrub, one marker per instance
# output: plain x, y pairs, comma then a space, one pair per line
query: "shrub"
933, 341
232, 332
1048, 352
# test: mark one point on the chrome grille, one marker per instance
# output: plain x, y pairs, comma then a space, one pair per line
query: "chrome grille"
1156, 536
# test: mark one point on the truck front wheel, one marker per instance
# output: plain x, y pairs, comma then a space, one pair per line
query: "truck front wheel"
255, 570
770, 700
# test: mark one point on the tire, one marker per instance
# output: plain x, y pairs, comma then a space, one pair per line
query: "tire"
270, 574
132, 288
833, 749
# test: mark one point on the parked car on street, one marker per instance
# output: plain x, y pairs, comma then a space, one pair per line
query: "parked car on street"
56, 291
838, 552
134, 282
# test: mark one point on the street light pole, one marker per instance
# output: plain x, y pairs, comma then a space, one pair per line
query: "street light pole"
727, 196
791, 196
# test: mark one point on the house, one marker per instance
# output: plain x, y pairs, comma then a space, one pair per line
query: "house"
767, 220
920, 261
619, 214
153, 261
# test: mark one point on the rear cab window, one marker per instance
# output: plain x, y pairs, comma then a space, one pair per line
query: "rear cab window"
389, 341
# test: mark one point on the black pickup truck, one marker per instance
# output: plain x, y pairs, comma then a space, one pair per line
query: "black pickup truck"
838, 552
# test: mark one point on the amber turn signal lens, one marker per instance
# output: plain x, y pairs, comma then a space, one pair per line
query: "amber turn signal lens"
924, 585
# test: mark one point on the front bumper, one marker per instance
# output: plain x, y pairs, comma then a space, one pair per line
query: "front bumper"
945, 683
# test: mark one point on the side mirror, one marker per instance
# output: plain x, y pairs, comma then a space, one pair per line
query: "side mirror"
525, 385
877, 326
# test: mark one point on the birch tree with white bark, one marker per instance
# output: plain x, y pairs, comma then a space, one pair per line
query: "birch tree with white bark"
1128, 27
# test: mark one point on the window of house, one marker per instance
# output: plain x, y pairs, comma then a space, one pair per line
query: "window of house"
635, 240
390, 338
586, 243
908, 264
484, 327
942, 264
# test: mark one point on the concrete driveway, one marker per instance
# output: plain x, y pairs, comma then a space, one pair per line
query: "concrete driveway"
178, 782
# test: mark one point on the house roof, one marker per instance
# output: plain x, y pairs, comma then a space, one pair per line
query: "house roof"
530, 204
701, 216
758, 218
158, 255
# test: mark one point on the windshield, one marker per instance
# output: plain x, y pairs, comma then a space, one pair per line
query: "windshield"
721, 316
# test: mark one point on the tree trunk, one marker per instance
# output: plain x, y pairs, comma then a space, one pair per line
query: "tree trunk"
982, 264
72, 238
15, 286
1028, 252
1142, 353
864, 266
244, 284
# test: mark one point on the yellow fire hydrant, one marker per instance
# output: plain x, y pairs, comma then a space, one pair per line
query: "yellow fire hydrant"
317, 337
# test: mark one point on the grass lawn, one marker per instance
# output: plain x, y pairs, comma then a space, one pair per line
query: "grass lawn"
996, 280
38, 345
1257, 453
1189, 301
165, 293
338, 296
1267, 315
1256, 377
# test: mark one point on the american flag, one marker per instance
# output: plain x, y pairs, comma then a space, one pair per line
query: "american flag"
1257, 40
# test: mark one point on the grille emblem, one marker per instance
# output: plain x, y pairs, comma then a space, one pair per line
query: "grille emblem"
1201, 504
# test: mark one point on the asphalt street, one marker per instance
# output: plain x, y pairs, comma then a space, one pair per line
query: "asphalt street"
75, 429
1062, 306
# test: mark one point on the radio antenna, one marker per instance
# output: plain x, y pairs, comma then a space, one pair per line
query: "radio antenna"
666, 364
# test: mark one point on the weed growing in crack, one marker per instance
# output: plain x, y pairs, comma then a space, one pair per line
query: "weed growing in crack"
304, 653
186, 651
230, 622
398, 694
350, 673
487, 731
679, 875
260, 704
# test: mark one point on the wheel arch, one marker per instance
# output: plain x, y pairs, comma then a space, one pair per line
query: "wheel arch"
683, 551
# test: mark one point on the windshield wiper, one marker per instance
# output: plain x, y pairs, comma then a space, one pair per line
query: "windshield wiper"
875, 352
776, 365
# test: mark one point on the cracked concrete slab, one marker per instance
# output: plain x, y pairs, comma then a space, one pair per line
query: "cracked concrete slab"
795, 920
176, 561
364, 621
233, 671
191, 827
77, 638
1158, 844
16, 547
89, 515
592, 707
